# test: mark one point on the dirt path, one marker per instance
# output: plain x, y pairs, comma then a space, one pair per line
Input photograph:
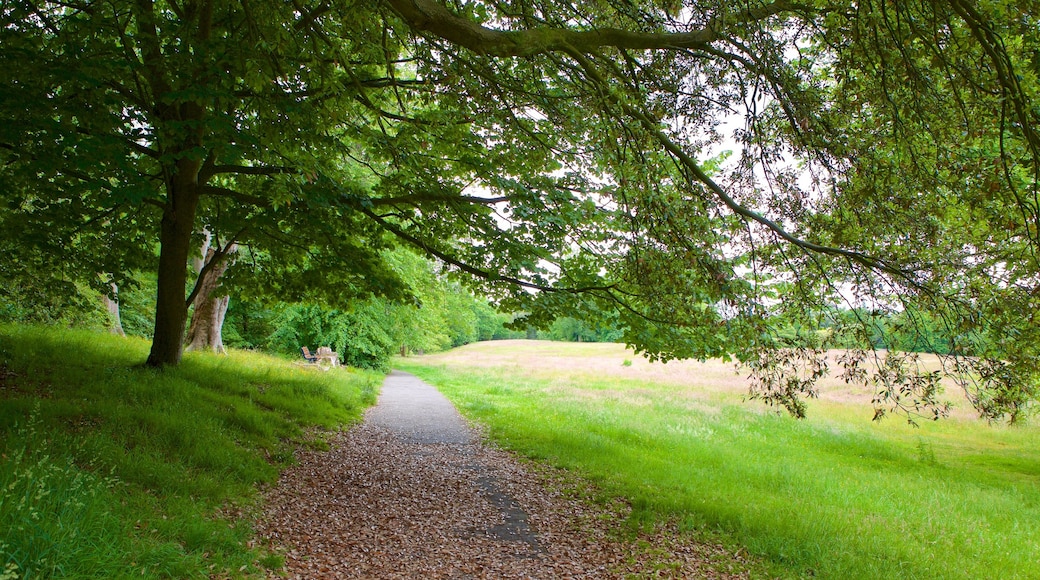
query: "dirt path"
412, 492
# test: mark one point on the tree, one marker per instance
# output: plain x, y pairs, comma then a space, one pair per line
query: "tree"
441, 315
210, 307
111, 301
550, 153
888, 159
175, 107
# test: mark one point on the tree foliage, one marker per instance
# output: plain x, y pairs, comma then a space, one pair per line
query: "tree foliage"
443, 315
885, 160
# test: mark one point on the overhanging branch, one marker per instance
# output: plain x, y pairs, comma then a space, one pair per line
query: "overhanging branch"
468, 268
433, 17
653, 128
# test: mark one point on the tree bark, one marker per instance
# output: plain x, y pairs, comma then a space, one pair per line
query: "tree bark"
433, 16
207, 319
178, 223
180, 127
111, 301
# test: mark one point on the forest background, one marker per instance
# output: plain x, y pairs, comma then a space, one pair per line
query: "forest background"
443, 314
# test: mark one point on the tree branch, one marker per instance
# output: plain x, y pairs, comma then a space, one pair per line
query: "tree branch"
245, 170
219, 255
384, 82
433, 17
469, 269
236, 195
143, 150
421, 198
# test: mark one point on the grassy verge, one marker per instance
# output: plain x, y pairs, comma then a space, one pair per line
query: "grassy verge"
109, 469
834, 496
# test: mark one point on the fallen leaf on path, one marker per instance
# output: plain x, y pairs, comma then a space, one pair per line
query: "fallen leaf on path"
375, 506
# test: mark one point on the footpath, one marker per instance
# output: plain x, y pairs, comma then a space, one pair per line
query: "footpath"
413, 492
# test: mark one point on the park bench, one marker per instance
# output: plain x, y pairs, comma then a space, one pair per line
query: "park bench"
325, 358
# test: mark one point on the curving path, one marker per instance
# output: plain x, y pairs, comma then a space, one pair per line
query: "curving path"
412, 492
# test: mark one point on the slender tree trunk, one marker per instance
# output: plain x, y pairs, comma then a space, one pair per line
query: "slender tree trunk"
111, 301
178, 223
207, 320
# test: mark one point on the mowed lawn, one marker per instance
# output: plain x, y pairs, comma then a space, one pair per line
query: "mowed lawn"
832, 496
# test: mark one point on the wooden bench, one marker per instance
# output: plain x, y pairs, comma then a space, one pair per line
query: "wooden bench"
325, 358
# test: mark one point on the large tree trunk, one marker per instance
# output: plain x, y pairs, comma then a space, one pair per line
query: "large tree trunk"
111, 301
207, 320
179, 134
178, 223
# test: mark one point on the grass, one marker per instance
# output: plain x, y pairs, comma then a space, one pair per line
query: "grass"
109, 469
832, 496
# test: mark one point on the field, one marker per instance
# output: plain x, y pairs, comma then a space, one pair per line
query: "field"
832, 496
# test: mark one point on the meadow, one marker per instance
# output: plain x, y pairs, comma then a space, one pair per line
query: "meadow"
109, 469
835, 495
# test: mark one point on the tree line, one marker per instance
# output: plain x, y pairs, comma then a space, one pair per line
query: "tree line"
442, 314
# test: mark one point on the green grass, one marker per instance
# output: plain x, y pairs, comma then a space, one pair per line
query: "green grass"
833, 496
109, 469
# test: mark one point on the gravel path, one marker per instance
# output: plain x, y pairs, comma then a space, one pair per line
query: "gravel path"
413, 492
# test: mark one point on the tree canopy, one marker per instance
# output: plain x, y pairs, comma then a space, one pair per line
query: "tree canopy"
562, 157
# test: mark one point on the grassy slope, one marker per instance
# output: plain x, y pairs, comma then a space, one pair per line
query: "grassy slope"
833, 496
109, 469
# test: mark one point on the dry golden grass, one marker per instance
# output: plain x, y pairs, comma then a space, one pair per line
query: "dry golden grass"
690, 382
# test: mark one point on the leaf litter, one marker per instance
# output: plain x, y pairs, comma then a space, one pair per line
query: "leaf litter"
377, 506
